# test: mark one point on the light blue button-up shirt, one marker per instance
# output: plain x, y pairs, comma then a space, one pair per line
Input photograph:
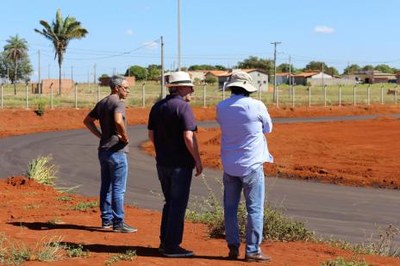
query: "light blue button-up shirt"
243, 122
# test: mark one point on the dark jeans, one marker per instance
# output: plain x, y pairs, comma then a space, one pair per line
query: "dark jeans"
175, 185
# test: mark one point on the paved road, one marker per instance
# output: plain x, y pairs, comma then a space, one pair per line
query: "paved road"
347, 213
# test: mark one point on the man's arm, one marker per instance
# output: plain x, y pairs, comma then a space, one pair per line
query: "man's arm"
89, 123
151, 135
120, 126
191, 145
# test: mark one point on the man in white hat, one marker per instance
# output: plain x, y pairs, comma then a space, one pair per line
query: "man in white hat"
243, 122
171, 128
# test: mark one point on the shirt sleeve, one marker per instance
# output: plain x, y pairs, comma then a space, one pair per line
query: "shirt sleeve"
188, 121
120, 107
94, 113
265, 118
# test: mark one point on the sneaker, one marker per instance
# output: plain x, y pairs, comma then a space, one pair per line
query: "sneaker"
161, 248
106, 225
177, 252
260, 257
124, 228
233, 252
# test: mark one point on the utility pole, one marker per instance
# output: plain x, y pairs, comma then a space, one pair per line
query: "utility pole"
275, 92
179, 35
94, 74
39, 87
162, 68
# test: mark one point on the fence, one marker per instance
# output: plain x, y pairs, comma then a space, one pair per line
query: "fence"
145, 94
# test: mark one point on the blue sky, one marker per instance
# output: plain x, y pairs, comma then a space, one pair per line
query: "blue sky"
219, 32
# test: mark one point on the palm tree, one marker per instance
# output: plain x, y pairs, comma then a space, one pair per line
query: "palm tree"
15, 49
60, 32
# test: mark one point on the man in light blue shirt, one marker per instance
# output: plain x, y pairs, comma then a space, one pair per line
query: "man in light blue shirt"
243, 122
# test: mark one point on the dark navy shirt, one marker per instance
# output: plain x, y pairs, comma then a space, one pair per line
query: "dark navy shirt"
169, 118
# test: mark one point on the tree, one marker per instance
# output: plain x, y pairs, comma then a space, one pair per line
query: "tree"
16, 50
384, 68
139, 72
285, 67
60, 33
368, 68
7, 69
258, 63
350, 70
331, 71
316, 66
153, 72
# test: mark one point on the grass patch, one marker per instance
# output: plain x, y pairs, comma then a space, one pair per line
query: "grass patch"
84, 206
343, 262
75, 250
384, 246
64, 198
16, 253
276, 225
129, 255
42, 170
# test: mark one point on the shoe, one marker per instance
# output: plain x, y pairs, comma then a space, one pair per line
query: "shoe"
161, 248
124, 228
106, 225
257, 257
177, 252
233, 252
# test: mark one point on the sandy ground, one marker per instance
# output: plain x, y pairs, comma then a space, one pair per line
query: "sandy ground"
363, 153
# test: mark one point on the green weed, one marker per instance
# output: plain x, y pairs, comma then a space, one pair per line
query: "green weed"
276, 225
42, 171
342, 262
84, 206
75, 250
129, 255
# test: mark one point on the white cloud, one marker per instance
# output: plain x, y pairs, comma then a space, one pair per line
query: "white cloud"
323, 29
129, 32
151, 45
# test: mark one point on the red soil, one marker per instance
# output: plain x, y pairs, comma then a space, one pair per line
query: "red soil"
363, 153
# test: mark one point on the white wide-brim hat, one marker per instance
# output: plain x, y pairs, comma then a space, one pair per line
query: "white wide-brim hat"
241, 79
179, 79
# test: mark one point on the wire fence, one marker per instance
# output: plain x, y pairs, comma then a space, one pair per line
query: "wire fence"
147, 93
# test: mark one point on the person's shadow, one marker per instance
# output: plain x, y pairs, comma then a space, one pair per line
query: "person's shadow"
102, 248
139, 250
52, 226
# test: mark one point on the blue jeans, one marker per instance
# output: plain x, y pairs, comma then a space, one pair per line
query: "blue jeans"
253, 186
114, 173
175, 185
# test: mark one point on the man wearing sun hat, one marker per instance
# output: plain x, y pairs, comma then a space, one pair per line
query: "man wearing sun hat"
243, 122
171, 128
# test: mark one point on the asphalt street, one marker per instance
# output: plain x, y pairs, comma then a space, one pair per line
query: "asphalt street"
347, 213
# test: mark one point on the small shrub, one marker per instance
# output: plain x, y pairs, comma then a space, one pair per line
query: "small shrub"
42, 171
276, 225
385, 246
75, 250
342, 262
41, 108
51, 250
129, 255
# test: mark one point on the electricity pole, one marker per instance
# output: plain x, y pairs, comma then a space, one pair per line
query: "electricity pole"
179, 35
274, 91
163, 93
